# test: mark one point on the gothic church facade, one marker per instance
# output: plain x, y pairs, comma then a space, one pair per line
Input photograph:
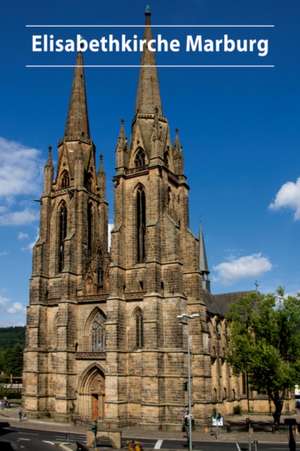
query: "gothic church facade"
103, 339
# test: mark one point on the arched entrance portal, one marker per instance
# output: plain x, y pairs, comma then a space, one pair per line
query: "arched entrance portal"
92, 393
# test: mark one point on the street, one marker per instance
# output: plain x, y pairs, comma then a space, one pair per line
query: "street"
17, 438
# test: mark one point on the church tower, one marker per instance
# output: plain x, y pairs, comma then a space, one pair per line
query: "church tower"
70, 265
155, 272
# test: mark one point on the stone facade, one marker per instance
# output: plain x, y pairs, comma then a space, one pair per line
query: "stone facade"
103, 338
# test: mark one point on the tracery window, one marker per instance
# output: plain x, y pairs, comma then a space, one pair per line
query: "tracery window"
140, 159
88, 181
139, 324
100, 276
140, 224
62, 233
65, 180
166, 158
98, 333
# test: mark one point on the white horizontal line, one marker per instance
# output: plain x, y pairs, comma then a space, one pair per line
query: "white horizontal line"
153, 26
158, 65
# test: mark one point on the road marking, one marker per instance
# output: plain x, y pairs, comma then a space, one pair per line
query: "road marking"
48, 442
158, 444
23, 439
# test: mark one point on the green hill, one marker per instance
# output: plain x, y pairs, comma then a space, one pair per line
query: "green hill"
11, 336
12, 342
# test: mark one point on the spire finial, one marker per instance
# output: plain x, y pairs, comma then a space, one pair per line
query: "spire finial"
122, 137
77, 124
177, 140
49, 161
147, 10
148, 95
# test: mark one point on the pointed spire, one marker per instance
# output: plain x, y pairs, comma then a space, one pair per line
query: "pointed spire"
148, 96
101, 178
101, 164
202, 254
203, 265
122, 137
49, 162
177, 143
48, 172
77, 124
121, 149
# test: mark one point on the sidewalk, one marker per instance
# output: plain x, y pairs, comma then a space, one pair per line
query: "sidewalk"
137, 432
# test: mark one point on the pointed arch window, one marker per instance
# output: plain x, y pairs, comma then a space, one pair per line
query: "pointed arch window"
65, 180
62, 233
98, 333
139, 326
140, 224
140, 159
100, 276
89, 229
166, 158
88, 181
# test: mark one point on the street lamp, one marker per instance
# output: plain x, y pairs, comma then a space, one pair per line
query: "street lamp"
184, 320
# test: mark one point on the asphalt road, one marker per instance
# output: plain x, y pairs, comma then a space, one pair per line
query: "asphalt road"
18, 438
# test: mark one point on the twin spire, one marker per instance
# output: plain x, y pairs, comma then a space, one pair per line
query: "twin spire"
148, 96
148, 101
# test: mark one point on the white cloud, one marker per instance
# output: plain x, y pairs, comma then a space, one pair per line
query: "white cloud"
16, 307
11, 313
23, 236
3, 253
248, 266
30, 245
288, 197
3, 300
20, 217
20, 169
20, 176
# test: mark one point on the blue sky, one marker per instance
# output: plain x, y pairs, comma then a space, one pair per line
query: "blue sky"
239, 128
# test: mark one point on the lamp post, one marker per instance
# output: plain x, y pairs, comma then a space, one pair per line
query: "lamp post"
184, 320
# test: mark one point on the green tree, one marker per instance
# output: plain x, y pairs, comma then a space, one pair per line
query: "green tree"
264, 343
14, 360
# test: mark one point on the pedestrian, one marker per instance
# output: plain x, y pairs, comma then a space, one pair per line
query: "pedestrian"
131, 445
186, 426
138, 446
20, 413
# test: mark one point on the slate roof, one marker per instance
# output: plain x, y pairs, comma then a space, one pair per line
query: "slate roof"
218, 304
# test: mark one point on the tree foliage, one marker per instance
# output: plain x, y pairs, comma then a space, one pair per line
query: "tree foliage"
12, 340
264, 343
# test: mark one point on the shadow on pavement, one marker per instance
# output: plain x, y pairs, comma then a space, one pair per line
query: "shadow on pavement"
5, 429
4, 425
5, 446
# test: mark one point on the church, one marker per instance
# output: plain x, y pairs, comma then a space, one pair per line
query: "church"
103, 340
